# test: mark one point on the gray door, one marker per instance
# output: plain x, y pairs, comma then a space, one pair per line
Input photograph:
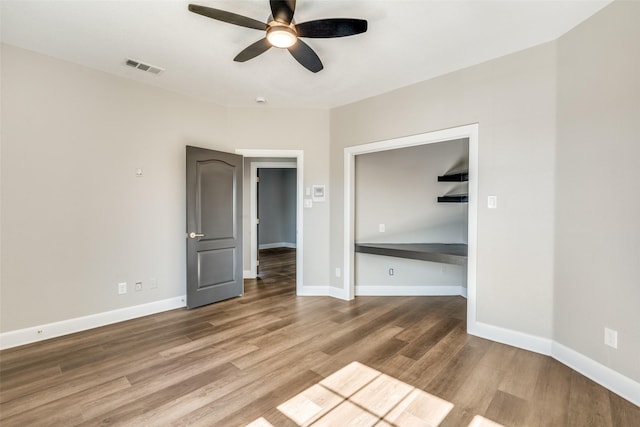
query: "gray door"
214, 226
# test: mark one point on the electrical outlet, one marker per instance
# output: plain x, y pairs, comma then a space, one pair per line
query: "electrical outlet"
138, 287
381, 228
338, 272
122, 288
611, 337
153, 283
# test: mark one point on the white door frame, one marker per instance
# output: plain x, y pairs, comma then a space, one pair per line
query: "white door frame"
253, 208
350, 153
299, 165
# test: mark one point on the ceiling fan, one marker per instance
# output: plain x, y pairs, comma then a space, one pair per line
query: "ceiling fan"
282, 32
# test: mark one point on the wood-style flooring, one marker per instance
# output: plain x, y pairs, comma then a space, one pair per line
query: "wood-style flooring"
270, 358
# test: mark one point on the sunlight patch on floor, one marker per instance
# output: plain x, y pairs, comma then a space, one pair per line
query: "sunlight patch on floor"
260, 422
358, 395
479, 421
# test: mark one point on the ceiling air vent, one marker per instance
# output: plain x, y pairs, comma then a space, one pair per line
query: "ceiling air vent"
144, 67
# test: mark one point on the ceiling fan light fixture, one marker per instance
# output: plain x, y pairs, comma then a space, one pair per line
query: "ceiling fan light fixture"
281, 36
282, 32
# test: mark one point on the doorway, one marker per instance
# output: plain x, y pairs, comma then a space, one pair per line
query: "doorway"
399, 207
258, 158
467, 131
276, 217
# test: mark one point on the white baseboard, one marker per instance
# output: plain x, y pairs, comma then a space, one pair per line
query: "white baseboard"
603, 375
408, 290
463, 291
70, 326
277, 245
510, 337
313, 291
246, 274
338, 293
322, 291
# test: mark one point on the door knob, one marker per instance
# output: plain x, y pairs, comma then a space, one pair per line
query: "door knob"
194, 235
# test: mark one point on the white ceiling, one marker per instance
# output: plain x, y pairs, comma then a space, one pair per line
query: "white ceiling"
408, 41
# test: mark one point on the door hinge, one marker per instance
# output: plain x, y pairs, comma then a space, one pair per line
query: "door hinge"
257, 179
257, 220
257, 262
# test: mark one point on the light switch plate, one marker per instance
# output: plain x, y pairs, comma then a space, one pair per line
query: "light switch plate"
611, 337
492, 202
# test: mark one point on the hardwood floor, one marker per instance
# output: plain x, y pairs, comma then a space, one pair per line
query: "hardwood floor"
269, 358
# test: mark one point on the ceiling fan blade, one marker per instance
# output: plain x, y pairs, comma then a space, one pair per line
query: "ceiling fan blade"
282, 10
224, 16
306, 56
253, 50
330, 28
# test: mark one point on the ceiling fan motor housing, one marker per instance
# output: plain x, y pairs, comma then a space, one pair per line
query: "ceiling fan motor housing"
281, 35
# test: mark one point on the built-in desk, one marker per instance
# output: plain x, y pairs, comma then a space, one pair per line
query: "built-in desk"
449, 253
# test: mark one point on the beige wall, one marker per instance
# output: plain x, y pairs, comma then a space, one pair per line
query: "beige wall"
558, 266
75, 218
294, 129
597, 279
513, 100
